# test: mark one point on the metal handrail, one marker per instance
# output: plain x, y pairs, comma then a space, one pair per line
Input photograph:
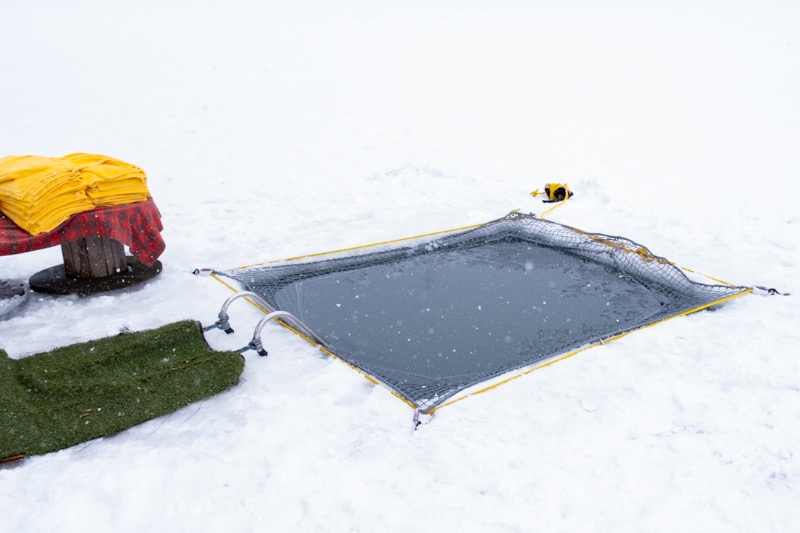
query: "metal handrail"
223, 323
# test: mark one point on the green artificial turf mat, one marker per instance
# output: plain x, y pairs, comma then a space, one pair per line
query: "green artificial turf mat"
57, 399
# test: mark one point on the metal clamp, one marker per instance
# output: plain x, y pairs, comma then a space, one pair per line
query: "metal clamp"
223, 318
222, 324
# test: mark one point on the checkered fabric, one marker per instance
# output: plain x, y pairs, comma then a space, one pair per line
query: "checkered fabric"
136, 225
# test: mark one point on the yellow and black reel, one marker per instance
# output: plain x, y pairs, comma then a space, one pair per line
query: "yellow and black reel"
555, 192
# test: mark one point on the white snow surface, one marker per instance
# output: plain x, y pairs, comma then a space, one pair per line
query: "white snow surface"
274, 129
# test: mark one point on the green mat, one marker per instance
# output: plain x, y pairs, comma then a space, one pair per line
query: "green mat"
54, 400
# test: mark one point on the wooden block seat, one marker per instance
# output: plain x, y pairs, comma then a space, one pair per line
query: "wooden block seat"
92, 245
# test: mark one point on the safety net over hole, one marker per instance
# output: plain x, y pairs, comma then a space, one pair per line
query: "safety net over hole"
432, 317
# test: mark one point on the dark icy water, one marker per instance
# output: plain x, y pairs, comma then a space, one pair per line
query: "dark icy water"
467, 311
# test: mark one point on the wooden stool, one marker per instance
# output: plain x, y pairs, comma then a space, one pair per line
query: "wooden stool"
92, 264
93, 247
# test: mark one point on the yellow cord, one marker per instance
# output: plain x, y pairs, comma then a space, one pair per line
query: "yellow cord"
584, 348
559, 204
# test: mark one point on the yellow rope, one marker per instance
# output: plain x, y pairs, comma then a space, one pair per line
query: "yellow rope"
579, 350
647, 256
559, 204
367, 245
704, 275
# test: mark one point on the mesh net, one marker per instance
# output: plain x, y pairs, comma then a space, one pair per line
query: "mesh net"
430, 317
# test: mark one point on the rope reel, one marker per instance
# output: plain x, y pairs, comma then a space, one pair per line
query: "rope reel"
555, 192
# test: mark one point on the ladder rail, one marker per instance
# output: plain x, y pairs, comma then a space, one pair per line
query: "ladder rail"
223, 322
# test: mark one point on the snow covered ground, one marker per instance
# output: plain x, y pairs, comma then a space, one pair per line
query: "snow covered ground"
274, 129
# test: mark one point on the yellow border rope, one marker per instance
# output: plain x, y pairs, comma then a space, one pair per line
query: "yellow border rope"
341, 250
705, 275
640, 251
644, 254
582, 349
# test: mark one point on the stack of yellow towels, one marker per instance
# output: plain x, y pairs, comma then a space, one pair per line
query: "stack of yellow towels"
39, 193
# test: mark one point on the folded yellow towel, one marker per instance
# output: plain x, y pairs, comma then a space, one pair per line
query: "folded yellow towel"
52, 214
39, 193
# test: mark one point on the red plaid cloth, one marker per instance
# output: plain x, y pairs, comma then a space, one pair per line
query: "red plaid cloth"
136, 225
